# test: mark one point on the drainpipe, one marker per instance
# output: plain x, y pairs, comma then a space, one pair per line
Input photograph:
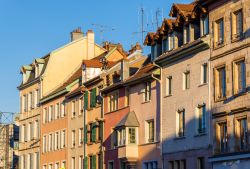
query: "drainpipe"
84, 124
160, 81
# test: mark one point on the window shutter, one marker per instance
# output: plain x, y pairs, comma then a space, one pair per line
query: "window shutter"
101, 130
86, 100
86, 163
93, 129
85, 134
94, 162
94, 97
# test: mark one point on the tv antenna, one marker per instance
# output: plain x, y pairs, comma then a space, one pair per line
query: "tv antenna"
102, 29
142, 31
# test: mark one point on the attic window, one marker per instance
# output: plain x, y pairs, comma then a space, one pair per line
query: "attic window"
204, 25
37, 70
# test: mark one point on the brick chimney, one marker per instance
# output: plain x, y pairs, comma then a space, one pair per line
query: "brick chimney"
91, 44
76, 34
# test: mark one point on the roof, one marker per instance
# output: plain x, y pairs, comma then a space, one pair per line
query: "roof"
183, 9
130, 120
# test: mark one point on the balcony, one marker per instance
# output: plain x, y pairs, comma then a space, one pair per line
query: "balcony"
128, 151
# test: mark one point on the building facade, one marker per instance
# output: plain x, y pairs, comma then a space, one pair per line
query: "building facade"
230, 82
30, 110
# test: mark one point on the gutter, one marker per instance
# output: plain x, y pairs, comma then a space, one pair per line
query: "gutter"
160, 81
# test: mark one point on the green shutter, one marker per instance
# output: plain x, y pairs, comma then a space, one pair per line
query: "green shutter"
86, 163
85, 134
93, 98
101, 130
94, 162
93, 129
86, 100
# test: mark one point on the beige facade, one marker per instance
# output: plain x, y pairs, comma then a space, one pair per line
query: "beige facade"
230, 84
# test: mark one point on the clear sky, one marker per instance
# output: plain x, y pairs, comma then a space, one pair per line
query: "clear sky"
30, 29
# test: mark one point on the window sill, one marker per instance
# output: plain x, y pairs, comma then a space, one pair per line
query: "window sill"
146, 102
149, 143
168, 95
179, 138
244, 92
219, 46
202, 84
237, 38
220, 99
200, 134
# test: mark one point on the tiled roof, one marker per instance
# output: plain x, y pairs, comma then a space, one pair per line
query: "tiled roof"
183, 9
130, 120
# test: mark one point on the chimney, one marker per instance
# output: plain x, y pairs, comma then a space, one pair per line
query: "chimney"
124, 69
91, 44
76, 34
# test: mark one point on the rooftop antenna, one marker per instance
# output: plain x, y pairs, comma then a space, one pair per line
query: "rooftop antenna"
102, 29
157, 14
142, 31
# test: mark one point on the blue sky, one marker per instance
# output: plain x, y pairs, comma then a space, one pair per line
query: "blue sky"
30, 29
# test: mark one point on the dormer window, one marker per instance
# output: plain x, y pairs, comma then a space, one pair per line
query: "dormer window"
204, 24
186, 34
37, 71
171, 41
154, 51
164, 44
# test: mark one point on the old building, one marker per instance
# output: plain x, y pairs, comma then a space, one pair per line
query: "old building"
95, 79
132, 128
230, 80
181, 48
54, 126
29, 117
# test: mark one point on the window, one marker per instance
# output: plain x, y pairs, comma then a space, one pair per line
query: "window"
80, 136
147, 92
171, 41
93, 97
150, 125
50, 166
154, 50
223, 136
204, 73
44, 144
73, 163
111, 165
242, 136
100, 161
57, 165
113, 101
92, 161
63, 139
44, 115
64, 164
126, 97
131, 135
81, 162
186, 34
62, 110
200, 163
29, 132
50, 142
57, 111
159, 49
239, 76
169, 86
180, 123
219, 32
36, 129
237, 24
44, 166
177, 164
114, 138
121, 136
93, 132
151, 165
51, 113
186, 80
57, 141
220, 83
73, 138
100, 131
73, 109
201, 118
204, 25
80, 106
165, 44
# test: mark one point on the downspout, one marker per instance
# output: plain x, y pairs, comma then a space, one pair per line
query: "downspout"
160, 81
84, 124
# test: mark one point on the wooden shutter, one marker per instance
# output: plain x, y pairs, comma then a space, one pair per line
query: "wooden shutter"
86, 163
86, 100
85, 134
94, 162
101, 130
93, 130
